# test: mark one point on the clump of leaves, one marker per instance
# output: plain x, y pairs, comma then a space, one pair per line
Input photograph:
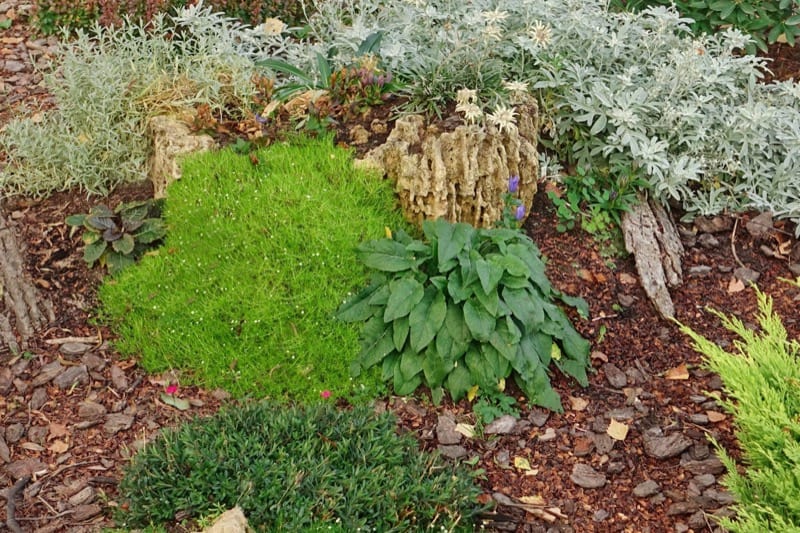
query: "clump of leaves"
298, 469
462, 312
116, 239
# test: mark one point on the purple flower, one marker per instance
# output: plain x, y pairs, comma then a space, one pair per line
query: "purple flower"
513, 184
260, 119
519, 212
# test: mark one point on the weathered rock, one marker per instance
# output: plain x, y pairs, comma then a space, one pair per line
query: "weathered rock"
82, 497
705, 480
6, 379
38, 434
89, 410
171, 138
93, 361
118, 378
761, 226
501, 426
646, 488
14, 432
603, 442
538, 417
5, 453
722, 497
616, 377
678, 508
72, 376
706, 240
47, 373
117, 422
231, 521
671, 445
25, 467
85, 512
461, 175
452, 451
746, 275
583, 447
38, 399
446, 430
715, 224
712, 466
74, 349
587, 477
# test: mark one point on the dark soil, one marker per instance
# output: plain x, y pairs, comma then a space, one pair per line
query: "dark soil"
73, 437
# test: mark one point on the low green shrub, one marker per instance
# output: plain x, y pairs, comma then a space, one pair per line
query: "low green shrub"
761, 382
298, 469
463, 311
763, 20
243, 292
118, 238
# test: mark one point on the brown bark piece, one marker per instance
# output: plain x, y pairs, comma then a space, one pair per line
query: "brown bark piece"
652, 238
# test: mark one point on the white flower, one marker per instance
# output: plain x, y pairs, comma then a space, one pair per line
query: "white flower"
540, 33
471, 111
504, 118
494, 17
493, 32
273, 26
466, 96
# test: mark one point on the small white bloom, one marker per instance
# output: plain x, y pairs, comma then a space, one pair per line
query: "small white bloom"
504, 118
466, 96
540, 33
493, 32
471, 111
273, 26
494, 17
516, 86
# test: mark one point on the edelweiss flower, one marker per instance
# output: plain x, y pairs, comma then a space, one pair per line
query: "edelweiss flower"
273, 26
466, 96
471, 111
540, 33
492, 32
494, 17
504, 118
516, 86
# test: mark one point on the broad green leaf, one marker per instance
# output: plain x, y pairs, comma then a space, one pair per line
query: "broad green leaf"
178, 403
479, 368
124, 244
490, 302
75, 220
456, 326
489, 273
469, 272
456, 289
435, 367
500, 365
459, 381
117, 261
285, 68
451, 238
357, 308
478, 320
577, 302
381, 296
376, 342
404, 386
94, 222
388, 366
150, 231
385, 255
505, 338
515, 282
526, 360
93, 251
411, 364
400, 333
404, 294
574, 369
427, 318
539, 391
524, 306
437, 394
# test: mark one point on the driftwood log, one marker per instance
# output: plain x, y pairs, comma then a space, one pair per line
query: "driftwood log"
651, 236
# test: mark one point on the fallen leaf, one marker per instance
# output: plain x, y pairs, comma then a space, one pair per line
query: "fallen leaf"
32, 446
585, 275
578, 404
471, 393
599, 355
522, 463
174, 401
677, 373
56, 430
532, 500
58, 446
617, 430
627, 279
735, 286
715, 416
466, 429
484, 498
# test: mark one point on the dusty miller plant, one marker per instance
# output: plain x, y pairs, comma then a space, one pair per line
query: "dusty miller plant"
617, 89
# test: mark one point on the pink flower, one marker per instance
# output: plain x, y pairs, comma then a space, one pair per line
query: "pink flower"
325, 394
171, 389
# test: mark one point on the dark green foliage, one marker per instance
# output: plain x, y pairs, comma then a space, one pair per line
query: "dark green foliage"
117, 238
296, 469
462, 312
764, 20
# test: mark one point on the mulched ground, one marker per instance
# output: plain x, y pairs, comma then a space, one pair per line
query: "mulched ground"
72, 412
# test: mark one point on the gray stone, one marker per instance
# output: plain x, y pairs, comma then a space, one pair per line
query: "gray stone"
699, 270
446, 430
699, 451
501, 426
93, 361
600, 515
603, 443
698, 521
679, 508
6, 379
705, 480
14, 432
615, 467
117, 422
716, 224
712, 465
706, 240
453, 451
25, 467
616, 377
89, 410
587, 477
71, 376
82, 497
118, 378
646, 488
14, 66
47, 373
38, 434
5, 453
538, 417
722, 497
746, 275
82, 513
38, 399
761, 226
232, 521
74, 349
701, 419
671, 445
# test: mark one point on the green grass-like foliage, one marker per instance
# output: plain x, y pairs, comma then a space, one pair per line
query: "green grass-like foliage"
256, 261
298, 469
118, 238
762, 384
467, 308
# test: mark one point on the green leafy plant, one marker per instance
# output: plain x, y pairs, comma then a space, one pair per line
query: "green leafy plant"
298, 469
116, 239
761, 382
5, 24
468, 307
490, 407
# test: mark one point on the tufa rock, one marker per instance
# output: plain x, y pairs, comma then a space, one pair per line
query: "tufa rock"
231, 521
171, 138
587, 477
461, 175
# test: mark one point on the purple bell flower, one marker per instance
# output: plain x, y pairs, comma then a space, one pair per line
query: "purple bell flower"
513, 184
519, 212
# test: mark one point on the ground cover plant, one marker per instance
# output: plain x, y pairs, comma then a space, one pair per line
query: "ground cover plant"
256, 260
298, 469
762, 391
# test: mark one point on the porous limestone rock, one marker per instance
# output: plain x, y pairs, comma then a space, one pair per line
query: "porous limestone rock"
171, 138
231, 521
459, 173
